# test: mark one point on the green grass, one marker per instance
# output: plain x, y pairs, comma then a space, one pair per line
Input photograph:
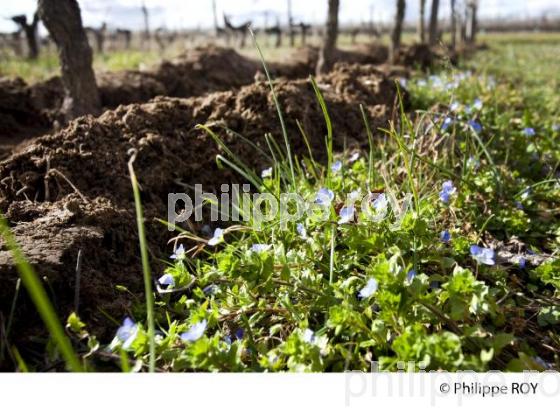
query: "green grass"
47, 64
293, 305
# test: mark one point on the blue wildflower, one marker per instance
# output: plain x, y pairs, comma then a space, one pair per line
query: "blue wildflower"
337, 166
446, 123
179, 253
354, 157
529, 132
482, 255
447, 190
410, 275
519, 205
346, 215
454, 107
354, 196
324, 196
127, 332
308, 336
301, 231
369, 289
476, 126
211, 289
260, 248
522, 263
239, 333
473, 163
445, 236
195, 332
217, 237
167, 280
477, 104
380, 204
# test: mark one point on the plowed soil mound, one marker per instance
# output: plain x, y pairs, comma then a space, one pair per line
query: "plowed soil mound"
70, 191
303, 61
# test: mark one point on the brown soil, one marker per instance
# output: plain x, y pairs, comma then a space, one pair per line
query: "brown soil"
28, 111
70, 191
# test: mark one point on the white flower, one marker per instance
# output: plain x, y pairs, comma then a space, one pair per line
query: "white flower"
346, 215
260, 248
266, 173
337, 166
195, 332
324, 196
369, 289
301, 231
484, 256
217, 237
167, 280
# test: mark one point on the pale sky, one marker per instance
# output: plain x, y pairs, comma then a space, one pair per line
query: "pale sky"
174, 14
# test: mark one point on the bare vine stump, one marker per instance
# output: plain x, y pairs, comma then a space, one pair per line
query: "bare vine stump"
63, 21
326, 56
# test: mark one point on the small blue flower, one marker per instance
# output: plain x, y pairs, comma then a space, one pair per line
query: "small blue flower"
476, 126
484, 256
302, 232
454, 107
369, 289
446, 123
324, 196
337, 166
447, 190
445, 236
410, 275
127, 332
308, 336
239, 333
346, 215
167, 280
211, 289
522, 263
179, 253
260, 248
217, 237
529, 132
519, 205
354, 157
266, 173
473, 163
477, 104
354, 196
195, 332
525, 194
380, 204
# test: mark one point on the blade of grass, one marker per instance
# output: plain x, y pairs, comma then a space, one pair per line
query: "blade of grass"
328, 123
370, 143
145, 263
40, 299
278, 109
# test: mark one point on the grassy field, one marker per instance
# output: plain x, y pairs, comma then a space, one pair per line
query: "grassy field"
450, 262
